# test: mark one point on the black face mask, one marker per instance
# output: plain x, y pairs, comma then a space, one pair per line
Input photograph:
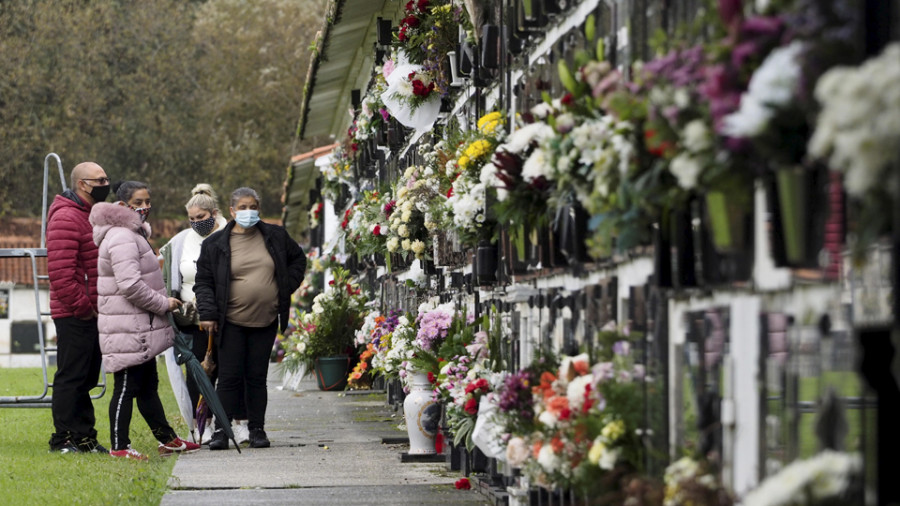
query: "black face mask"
99, 193
204, 227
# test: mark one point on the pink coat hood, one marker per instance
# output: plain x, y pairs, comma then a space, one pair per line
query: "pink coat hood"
132, 299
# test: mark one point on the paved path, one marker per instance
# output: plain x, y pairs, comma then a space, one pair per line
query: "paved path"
326, 449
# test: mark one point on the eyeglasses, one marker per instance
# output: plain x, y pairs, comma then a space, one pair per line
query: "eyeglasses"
101, 180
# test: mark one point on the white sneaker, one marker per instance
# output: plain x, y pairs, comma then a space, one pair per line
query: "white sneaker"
207, 434
241, 431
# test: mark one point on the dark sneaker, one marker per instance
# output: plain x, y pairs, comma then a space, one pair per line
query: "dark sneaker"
258, 439
219, 441
67, 447
177, 445
88, 445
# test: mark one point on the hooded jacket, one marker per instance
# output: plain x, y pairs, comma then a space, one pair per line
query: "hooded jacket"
214, 271
132, 297
71, 258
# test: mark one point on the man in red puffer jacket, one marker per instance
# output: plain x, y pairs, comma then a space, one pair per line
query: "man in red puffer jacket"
72, 265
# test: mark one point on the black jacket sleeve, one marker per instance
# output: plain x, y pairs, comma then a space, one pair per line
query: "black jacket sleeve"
205, 283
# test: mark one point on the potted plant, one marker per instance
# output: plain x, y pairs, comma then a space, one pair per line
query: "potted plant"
322, 340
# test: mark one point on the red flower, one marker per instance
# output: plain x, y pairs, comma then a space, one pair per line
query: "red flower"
450, 192
431, 378
471, 406
331, 283
557, 444
389, 208
422, 5
376, 230
567, 99
463, 484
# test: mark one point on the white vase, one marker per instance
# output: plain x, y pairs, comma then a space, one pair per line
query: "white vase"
423, 416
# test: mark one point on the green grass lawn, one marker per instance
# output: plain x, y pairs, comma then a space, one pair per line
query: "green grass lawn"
29, 474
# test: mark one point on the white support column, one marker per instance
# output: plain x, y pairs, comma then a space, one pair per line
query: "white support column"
744, 339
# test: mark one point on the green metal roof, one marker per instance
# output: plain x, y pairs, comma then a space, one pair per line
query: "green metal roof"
342, 61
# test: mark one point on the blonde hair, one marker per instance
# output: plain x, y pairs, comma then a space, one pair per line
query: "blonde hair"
204, 197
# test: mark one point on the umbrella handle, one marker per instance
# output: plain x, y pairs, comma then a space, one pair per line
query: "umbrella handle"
209, 344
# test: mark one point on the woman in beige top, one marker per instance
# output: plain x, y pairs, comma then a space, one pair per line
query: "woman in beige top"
246, 274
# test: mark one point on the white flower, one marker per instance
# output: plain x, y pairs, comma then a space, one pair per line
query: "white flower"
697, 136
686, 169
393, 244
418, 247
406, 244
518, 141
773, 85
318, 308
542, 110
517, 451
300, 347
575, 391
537, 165
548, 459
547, 418
609, 458
403, 231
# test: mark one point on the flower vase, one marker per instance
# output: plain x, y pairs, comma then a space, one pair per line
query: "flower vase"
486, 263
798, 198
331, 373
423, 416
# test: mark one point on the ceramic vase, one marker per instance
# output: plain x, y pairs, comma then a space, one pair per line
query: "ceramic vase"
423, 416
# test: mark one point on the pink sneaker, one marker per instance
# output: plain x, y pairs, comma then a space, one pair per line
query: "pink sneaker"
177, 445
128, 453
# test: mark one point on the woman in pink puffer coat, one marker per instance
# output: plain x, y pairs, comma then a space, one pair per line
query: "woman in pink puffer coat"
132, 306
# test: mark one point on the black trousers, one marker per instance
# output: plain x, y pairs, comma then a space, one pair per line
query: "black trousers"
244, 360
139, 382
198, 348
77, 372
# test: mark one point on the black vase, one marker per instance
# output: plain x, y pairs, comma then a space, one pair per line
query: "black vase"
798, 202
571, 229
486, 263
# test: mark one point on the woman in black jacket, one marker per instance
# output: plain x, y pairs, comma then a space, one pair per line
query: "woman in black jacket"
246, 274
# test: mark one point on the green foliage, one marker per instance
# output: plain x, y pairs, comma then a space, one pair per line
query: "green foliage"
33, 476
170, 92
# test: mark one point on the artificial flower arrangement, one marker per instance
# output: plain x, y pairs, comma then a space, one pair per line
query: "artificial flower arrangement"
392, 337
462, 366
329, 328
691, 481
339, 171
315, 214
372, 113
428, 31
360, 377
410, 222
473, 184
857, 134
365, 228
827, 478
579, 426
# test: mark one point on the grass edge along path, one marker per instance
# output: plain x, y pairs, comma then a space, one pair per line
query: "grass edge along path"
30, 474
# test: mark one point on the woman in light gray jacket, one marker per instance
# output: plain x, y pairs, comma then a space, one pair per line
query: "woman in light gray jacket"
132, 306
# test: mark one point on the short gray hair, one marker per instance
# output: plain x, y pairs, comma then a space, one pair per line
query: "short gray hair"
243, 192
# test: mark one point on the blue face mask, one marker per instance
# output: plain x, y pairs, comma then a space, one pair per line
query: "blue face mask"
247, 217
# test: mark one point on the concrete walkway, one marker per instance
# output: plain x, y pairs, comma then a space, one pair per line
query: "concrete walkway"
326, 449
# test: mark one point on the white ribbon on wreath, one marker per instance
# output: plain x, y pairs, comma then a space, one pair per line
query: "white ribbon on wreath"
395, 98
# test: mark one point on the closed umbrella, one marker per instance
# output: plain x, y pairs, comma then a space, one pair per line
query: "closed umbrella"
183, 355
208, 365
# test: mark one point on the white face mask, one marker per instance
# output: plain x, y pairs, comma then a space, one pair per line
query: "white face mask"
246, 217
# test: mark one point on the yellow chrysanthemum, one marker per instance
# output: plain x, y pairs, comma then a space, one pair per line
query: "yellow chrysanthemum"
489, 122
613, 430
478, 149
596, 452
463, 161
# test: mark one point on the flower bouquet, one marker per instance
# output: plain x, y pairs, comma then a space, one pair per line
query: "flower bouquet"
828, 478
329, 329
411, 96
410, 221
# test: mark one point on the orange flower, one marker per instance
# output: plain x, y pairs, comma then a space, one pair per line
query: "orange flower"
536, 448
558, 405
557, 444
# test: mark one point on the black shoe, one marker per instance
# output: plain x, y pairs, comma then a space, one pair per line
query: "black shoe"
67, 447
219, 441
88, 445
258, 439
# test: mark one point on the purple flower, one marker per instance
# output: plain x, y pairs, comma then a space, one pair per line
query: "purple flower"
622, 348
384, 114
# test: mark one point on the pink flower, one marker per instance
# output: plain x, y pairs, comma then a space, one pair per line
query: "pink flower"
387, 69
